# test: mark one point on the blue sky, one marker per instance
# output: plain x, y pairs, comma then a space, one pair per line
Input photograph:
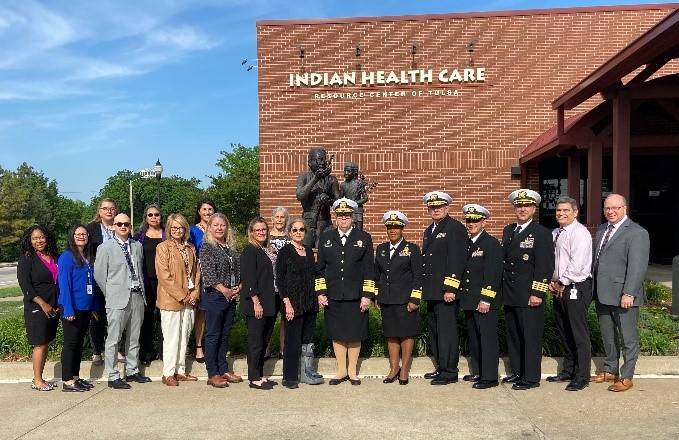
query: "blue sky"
91, 87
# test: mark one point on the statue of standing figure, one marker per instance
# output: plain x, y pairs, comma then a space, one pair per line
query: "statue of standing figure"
316, 191
354, 188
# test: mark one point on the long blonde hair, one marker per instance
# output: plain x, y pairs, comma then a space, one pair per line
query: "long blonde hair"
251, 234
229, 237
97, 216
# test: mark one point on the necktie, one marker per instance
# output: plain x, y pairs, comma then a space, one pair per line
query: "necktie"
125, 248
343, 237
515, 233
392, 248
556, 237
609, 231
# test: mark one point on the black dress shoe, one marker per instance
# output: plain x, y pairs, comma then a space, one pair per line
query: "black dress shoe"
290, 384
263, 386
403, 381
561, 377
511, 378
577, 384
483, 384
137, 377
471, 377
355, 381
393, 378
84, 383
338, 381
444, 380
73, 388
119, 384
433, 375
525, 385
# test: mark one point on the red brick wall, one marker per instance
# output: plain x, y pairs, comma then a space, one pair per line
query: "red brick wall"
464, 145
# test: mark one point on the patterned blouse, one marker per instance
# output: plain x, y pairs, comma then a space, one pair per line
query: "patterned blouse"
219, 264
278, 241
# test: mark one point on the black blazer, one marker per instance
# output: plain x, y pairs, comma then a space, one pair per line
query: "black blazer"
345, 272
528, 264
36, 280
398, 280
483, 273
444, 255
257, 278
95, 238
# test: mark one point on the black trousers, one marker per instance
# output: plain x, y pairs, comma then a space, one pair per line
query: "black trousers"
151, 323
74, 338
571, 322
98, 326
259, 331
525, 330
299, 331
484, 345
444, 336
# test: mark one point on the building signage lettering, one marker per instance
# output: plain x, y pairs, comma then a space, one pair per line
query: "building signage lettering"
388, 78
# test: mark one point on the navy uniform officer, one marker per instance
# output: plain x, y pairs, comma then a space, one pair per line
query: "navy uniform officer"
444, 254
398, 290
480, 297
528, 267
345, 286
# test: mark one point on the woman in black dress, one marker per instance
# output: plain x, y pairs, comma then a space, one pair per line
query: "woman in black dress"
258, 302
150, 235
295, 274
37, 275
398, 290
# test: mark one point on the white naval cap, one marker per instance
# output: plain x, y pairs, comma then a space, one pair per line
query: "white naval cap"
344, 205
394, 218
524, 197
472, 211
436, 198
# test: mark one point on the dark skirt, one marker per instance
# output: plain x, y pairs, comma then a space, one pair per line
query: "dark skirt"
398, 322
345, 322
40, 329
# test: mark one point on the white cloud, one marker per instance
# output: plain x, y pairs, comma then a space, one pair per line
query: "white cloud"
183, 38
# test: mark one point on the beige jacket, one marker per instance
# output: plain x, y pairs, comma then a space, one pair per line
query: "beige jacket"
172, 279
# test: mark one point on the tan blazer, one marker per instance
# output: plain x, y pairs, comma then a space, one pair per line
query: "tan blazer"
172, 279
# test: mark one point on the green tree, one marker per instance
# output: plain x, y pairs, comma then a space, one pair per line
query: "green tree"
178, 195
236, 189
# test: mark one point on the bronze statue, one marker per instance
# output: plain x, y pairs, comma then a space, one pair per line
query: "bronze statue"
354, 188
316, 191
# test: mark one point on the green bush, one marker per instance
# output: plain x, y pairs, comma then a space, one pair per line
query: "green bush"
656, 292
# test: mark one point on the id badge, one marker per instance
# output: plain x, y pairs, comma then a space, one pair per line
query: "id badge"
574, 293
89, 289
191, 286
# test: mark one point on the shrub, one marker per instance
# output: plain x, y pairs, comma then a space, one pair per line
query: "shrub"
656, 292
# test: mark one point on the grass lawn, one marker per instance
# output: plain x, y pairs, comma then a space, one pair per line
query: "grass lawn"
6, 292
8, 308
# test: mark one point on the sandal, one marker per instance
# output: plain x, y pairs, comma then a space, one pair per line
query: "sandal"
200, 360
48, 387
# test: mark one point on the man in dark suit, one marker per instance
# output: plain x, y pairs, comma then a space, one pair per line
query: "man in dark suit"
528, 267
480, 298
620, 263
444, 254
117, 270
100, 230
345, 285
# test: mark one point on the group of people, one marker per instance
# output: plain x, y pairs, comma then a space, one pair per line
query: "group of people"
111, 283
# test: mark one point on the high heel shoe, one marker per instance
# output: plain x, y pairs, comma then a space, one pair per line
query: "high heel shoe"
393, 378
200, 360
403, 381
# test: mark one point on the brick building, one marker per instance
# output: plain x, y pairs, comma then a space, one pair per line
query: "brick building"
427, 102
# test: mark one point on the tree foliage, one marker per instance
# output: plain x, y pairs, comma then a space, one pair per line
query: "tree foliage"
236, 189
177, 195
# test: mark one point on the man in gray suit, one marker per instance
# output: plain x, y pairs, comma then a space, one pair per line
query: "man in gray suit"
620, 263
117, 271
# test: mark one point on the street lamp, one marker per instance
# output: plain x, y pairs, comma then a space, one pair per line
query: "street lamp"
146, 173
158, 168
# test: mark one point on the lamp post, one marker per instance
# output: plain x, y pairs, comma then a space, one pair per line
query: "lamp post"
158, 169
146, 173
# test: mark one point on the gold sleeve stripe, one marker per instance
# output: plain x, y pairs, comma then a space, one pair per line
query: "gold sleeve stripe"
416, 293
320, 285
540, 287
452, 282
377, 292
488, 292
369, 286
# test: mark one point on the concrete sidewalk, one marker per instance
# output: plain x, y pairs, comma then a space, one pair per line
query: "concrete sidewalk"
372, 410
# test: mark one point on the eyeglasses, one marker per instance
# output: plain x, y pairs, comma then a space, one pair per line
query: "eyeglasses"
107, 208
122, 224
85, 234
298, 230
153, 214
176, 228
259, 231
612, 208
